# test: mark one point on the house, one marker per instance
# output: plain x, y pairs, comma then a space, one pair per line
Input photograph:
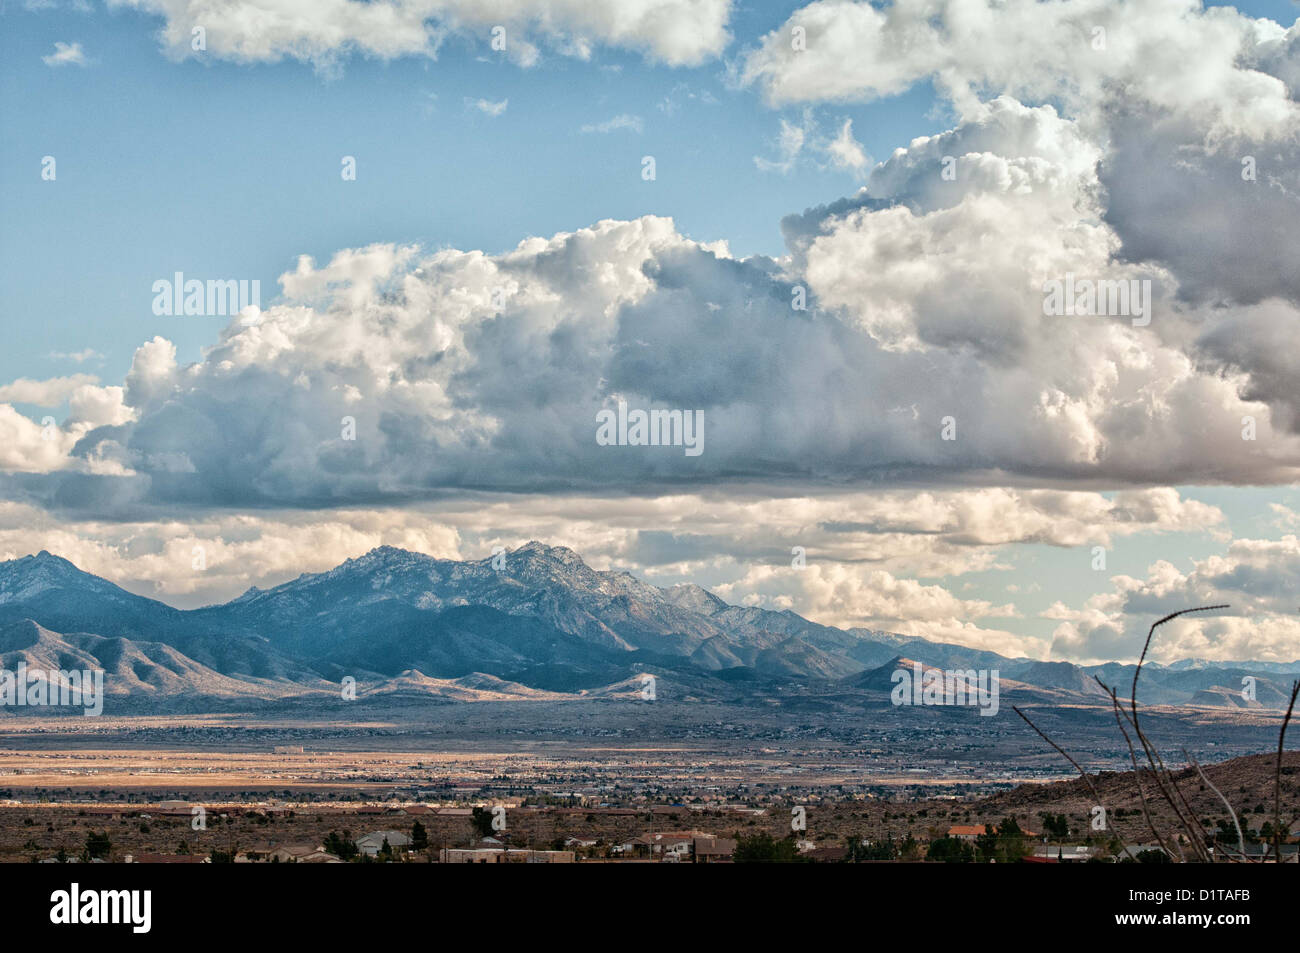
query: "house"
74, 860
301, 854
1257, 853
166, 859
371, 844
319, 857
712, 850
1065, 853
678, 845
499, 855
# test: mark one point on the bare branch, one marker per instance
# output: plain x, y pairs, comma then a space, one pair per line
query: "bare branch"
1137, 774
1153, 755
1241, 840
1277, 774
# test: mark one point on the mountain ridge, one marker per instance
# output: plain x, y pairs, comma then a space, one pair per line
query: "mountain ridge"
537, 616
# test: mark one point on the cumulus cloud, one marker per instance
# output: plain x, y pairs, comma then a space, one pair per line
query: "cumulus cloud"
1257, 578
883, 560
849, 596
462, 370
1189, 115
1087, 54
44, 393
924, 315
323, 32
31, 446
157, 558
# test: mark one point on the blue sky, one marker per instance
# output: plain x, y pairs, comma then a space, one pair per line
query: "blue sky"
226, 169
220, 167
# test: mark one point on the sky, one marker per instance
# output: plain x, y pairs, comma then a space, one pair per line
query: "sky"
840, 258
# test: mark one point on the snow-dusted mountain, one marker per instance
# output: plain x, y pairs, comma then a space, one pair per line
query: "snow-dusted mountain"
537, 620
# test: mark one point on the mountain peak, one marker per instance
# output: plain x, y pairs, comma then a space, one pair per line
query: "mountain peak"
43, 567
384, 551
383, 555
562, 553
44, 558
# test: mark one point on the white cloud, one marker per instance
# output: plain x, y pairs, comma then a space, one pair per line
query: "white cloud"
846, 152
855, 596
867, 550
44, 393
156, 559
65, 54
806, 138
470, 371
77, 357
621, 121
1176, 100
1257, 578
1173, 54
323, 32
789, 144
487, 107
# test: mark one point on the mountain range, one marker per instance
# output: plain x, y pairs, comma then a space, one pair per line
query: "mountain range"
538, 624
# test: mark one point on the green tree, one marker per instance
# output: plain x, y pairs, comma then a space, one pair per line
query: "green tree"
1004, 844
98, 845
1153, 857
419, 837
763, 848
951, 850
909, 850
1055, 825
341, 846
481, 818
860, 850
